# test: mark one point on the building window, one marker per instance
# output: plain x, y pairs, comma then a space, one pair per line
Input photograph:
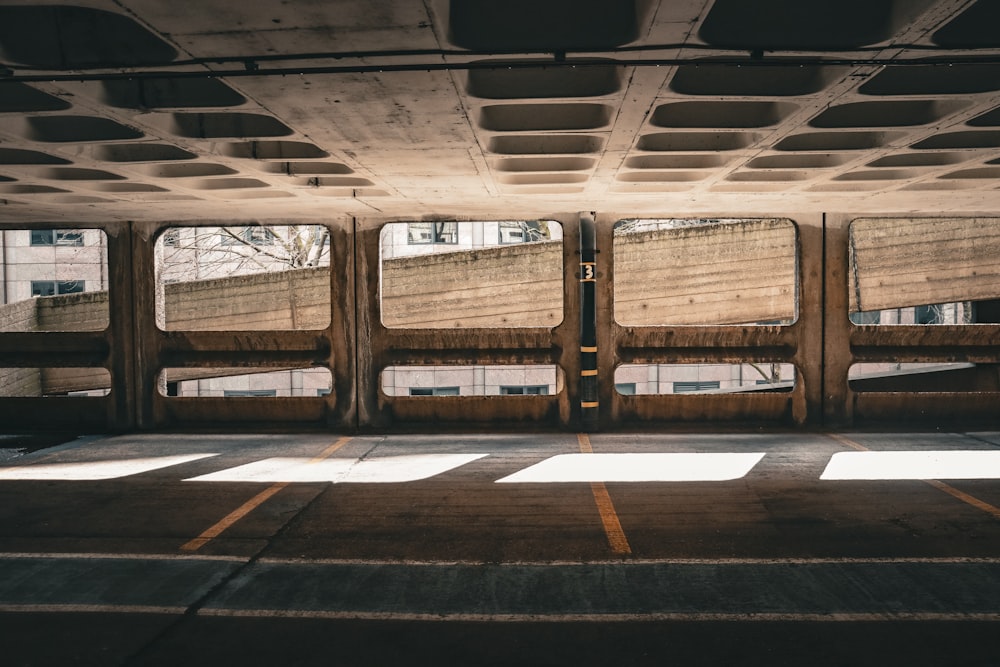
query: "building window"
867, 317
687, 387
56, 237
171, 238
228, 393
54, 287
522, 232
433, 391
625, 388
247, 236
525, 390
432, 232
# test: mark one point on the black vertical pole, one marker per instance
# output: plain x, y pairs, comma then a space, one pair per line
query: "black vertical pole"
588, 324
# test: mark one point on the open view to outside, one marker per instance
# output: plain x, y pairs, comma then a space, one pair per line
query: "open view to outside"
471, 274
931, 271
81, 381
506, 380
924, 272
53, 280
448, 274
246, 278
639, 379
708, 272
675, 272
238, 383
243, 278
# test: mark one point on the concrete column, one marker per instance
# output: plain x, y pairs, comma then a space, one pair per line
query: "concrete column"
589, 401
838, 408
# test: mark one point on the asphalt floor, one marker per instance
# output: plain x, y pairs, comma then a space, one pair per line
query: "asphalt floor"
533, 549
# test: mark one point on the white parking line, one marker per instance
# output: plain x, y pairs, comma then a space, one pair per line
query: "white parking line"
94, 470
915, 465
380, 470
620, 467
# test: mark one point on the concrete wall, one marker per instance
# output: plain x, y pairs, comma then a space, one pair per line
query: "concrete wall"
297, 299
507, 286
706, 274
19, 316
20, 382
87, 311
732, 273
913, 262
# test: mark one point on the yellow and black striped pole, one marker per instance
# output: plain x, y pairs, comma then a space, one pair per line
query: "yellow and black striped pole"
589, 402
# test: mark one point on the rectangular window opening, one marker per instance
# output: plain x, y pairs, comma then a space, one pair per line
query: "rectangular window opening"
471, 274
675, 272
57, 237
53, 280
241, 383
924, 271
50, 382
245, 278
924, 377
525, 390
499, 380
747, 377
434, 391
424, 233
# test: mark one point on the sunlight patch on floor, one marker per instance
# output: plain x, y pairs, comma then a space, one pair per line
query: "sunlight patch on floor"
674, 467
913, 465
385, 470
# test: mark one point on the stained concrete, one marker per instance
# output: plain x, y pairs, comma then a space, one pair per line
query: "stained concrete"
777, 567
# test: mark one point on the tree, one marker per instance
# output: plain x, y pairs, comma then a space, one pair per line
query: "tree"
195, 253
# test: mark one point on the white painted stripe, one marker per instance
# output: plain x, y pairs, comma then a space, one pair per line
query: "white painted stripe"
915, 465
67, 555
847, 560
849, 617
631, 562
94, 470
381, 470
89, 609
672, 467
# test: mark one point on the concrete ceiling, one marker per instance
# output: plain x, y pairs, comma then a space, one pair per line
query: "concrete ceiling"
134, 109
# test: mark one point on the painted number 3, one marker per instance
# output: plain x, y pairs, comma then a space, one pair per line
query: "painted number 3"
588, 271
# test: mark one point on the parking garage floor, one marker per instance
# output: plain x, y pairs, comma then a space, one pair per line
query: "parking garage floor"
543, 549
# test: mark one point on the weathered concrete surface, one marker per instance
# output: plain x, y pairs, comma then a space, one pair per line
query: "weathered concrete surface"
507, 286
370, 120
456, 568
734, 273
899, 262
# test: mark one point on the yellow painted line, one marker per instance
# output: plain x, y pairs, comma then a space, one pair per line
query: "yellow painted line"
965, 497
329, 451
609, 518
588, 349
589, 404
252, 504
588, 373
848, 442
972, 501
